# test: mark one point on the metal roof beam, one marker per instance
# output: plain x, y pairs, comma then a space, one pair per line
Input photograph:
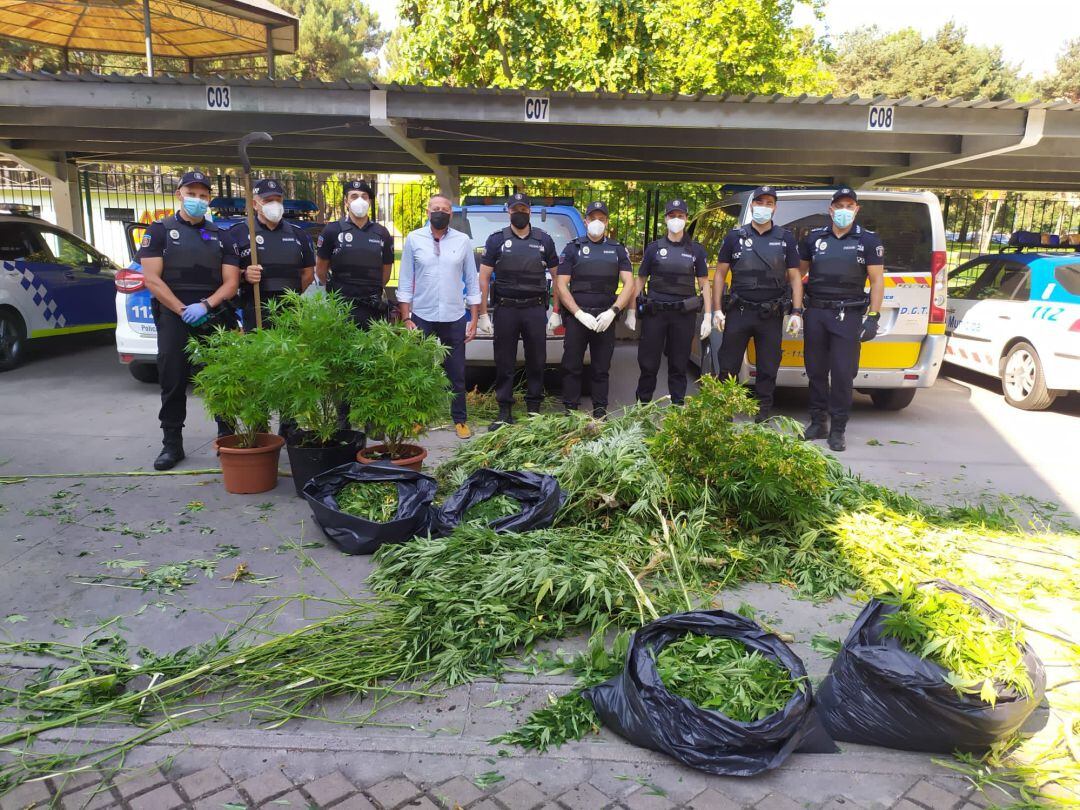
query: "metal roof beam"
447, 176
1033, 132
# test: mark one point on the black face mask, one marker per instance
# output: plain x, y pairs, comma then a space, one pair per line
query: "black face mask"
519, 219
439, 219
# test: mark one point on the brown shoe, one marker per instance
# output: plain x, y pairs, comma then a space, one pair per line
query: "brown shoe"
462, 430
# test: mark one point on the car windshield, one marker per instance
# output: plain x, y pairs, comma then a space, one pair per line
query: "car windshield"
479, 225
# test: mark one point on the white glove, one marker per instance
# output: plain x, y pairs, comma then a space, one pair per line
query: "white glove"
631, 319
794, 325
585, 319
483, 325
554, 321
604, 320
706, 327
719, 321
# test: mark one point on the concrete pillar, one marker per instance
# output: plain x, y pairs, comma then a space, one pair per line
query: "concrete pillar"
64, 178
449, 179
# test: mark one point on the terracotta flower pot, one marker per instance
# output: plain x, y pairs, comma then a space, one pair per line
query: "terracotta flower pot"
247, 470
412, 460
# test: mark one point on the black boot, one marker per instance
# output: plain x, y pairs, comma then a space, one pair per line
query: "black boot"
763, 415
816, 429
836, 441
172, 449
599, 412
532, 408
224, 428
506, 417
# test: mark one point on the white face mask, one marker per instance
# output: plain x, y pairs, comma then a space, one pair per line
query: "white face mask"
596, 228
273, 211
359, 207
676, 224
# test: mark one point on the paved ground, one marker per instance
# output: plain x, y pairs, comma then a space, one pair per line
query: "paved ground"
77, 410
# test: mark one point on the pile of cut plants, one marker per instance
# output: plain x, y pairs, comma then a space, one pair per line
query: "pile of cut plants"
665, 508
376, 500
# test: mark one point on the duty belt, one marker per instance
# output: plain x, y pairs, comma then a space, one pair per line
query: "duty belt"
691, 304
766, 309
521, 303
848, 303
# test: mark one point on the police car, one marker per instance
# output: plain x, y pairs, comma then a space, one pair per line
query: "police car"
479, 217
136, 335
1015, 315
909, 350
51, 283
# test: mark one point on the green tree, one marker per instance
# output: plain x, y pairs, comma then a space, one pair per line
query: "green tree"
339, 39
904, 63
1065, 81
663, 46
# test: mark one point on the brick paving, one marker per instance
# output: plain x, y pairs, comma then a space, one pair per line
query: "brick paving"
213, 787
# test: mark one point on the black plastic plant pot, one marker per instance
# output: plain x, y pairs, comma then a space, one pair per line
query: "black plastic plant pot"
308, 460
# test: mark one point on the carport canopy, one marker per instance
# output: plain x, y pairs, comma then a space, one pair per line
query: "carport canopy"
351, 126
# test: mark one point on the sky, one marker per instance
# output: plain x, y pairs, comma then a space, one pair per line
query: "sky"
1031, 39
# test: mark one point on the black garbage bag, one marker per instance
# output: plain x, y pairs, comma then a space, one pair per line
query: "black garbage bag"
539, 495
357, 535
878, 693
637, 706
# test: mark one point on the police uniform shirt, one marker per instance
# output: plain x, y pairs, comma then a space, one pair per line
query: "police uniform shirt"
296, 245
159, 236
330, 240
731, 250
652, 254
496, 244
568, 260
857, 248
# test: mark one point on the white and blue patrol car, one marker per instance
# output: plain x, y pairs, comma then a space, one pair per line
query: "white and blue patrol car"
51, 283
1015, 315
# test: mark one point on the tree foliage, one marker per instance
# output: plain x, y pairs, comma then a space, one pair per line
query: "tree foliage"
904, 63
1064, 82
338, 39
663, 46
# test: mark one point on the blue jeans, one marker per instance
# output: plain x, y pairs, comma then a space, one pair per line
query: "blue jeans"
452, 335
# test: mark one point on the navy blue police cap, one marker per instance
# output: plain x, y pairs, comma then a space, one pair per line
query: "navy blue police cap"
268, 186
845, 192
596, 205
518, 198
676, 205
193, 178
764, 191
359, 185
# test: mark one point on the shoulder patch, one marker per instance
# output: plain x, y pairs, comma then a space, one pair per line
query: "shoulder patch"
146, 241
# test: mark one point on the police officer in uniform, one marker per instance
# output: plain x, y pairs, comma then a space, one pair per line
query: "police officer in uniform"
590, 270
191, 268
356, 254
285, 253
673, 266
764, 262
839, 259
520, 256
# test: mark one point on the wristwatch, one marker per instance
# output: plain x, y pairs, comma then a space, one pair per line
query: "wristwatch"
873, 314
616, 309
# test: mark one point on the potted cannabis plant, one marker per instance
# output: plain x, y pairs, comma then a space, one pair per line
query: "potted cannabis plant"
402, 389
233, 384
315, 346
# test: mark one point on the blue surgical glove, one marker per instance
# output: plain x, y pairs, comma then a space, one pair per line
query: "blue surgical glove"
193, 312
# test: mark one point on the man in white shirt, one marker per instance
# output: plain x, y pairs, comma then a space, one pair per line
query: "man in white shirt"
437, 279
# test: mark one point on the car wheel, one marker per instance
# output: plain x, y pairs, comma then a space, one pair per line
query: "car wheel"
892, 399
13, 340
144, 372
1023, 381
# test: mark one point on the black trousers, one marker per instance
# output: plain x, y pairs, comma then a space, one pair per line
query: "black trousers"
174, 367
530, 325
670, 333
768, 334
601, 346
452, 335
831, 346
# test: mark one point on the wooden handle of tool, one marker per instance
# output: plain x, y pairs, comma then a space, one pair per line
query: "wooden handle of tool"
251, 240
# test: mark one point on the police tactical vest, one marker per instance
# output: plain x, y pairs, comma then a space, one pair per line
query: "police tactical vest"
357, 262
520, 270
280, 252
596, 268
837, 268
761, 263
672, 271
191, 260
